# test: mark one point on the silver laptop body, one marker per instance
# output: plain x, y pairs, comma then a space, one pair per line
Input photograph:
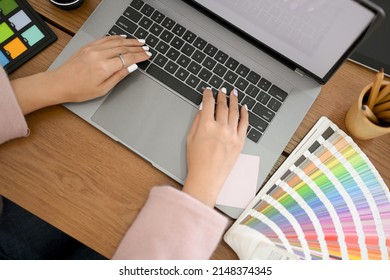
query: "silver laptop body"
152, 120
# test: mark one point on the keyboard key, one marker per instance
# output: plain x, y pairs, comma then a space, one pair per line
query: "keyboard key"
198, 56
168, 23
274, 105
241, 84
171, 67
157, 17
202, 86
252, 91
194, 67
263, 97
162, 47
144, 64
250, 102
160, 60
264, 84
141, 33
127, 24
231, 63
253, 77
188, 49
221, 57
263, 112
254, 135
210, 50
156, 29
152, 40
220, 70
115, 30
192, 81
215, 81
181, 88
200, 43
209, 63
173, 54
278, 93
242, 70
132, 14
189, 37
231, 77
205, 74
182, 74
184, 61
256, 122
146, 22
147, 10
177, 43
178, 30
167, 36
137, 4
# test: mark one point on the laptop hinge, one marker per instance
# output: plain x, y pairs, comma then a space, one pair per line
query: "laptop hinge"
299, 72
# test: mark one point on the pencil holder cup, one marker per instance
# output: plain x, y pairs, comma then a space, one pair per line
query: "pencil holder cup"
358, 122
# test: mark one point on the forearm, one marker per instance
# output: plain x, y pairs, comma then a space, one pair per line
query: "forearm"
37, 91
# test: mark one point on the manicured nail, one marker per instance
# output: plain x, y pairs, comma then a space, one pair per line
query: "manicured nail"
201, 106
246, 107
146, 48
224, 90
235, 92
209, 88
123, 36
149, 53
132, 68
142, 41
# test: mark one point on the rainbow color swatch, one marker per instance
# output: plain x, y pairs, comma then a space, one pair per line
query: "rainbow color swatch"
327, 201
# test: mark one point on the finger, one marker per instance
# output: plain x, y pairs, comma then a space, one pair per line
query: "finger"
118, 76
233, 110
112, 52
208, 105
222, 113
115, 41
194, 126
244, 122
125, 60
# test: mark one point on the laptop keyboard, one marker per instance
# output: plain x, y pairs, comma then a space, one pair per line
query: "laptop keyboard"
188, 64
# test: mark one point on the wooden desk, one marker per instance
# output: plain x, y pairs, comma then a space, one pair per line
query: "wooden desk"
79, 180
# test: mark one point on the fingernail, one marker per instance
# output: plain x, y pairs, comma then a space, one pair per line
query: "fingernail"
201, 106
224, 90
123, 36
149, 53
235, 92
246, 107
132, 68
146, 48
142, 41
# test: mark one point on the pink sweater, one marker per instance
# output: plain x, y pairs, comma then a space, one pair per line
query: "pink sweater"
171, 225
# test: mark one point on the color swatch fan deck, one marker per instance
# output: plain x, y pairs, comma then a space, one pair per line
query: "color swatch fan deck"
327, 201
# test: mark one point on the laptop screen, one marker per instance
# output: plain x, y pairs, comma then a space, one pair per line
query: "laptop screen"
311, 34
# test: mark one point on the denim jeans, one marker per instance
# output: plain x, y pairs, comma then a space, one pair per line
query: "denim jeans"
23, 236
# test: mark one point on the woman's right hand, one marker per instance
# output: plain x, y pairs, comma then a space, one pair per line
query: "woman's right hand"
214, 143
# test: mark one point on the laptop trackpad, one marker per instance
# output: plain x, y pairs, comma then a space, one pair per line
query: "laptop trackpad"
150, 120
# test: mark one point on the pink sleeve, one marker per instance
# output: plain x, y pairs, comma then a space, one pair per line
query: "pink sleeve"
172, 225
12, 122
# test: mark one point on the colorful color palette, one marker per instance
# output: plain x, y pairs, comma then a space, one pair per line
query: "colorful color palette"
22, 33
327, 201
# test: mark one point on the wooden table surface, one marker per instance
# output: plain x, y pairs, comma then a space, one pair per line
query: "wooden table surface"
84, 183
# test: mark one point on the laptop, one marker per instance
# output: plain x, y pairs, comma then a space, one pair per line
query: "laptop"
277, 54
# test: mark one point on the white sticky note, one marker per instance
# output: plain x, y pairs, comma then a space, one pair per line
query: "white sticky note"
240, 186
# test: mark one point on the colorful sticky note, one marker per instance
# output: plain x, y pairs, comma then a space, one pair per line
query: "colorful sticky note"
5, 32
20, 20
15, 48
33, 35
3, 59
7, 6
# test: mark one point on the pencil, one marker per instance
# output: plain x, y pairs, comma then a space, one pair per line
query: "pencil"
383, 93
384, 115
375, 89
369, 114
381, 107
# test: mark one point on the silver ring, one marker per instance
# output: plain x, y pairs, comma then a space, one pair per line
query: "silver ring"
122, 60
